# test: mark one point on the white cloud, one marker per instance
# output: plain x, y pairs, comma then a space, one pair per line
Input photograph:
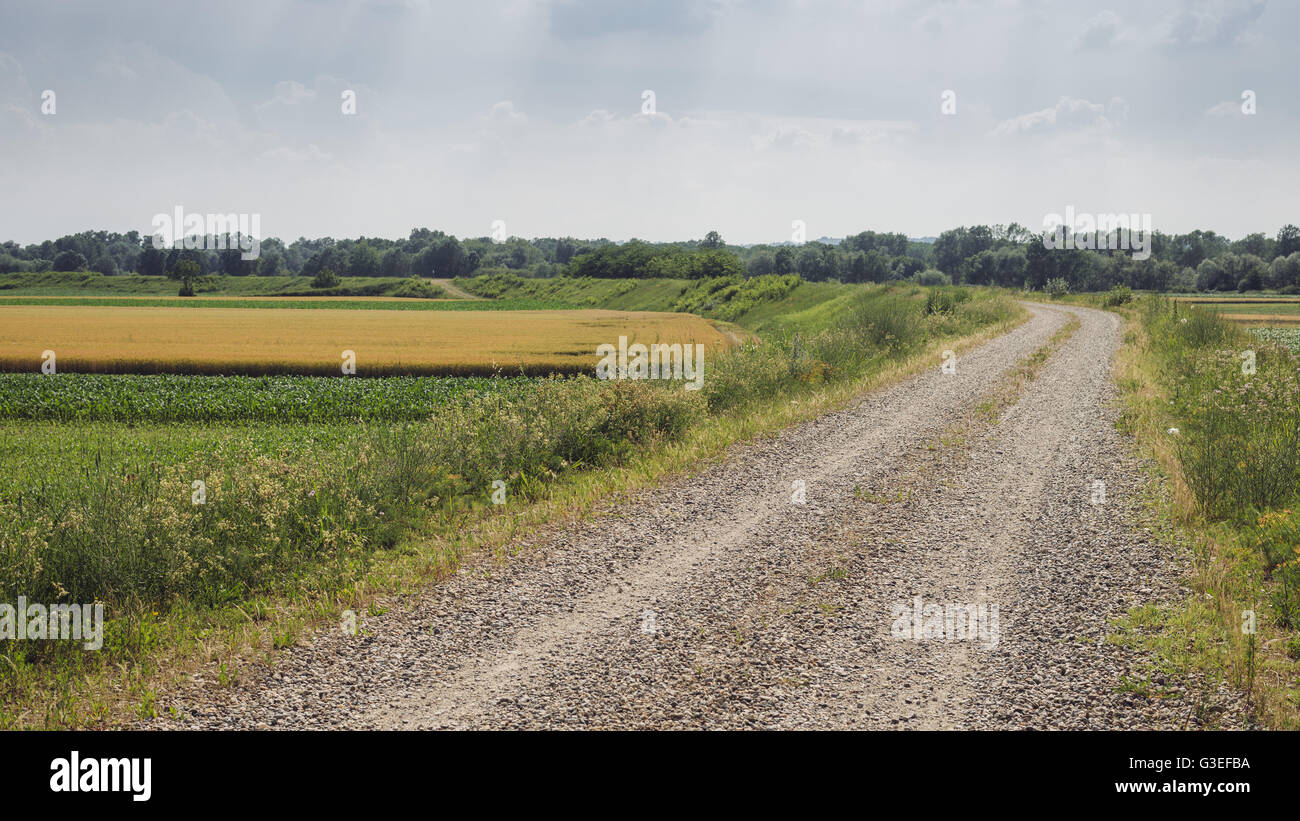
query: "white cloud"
1212, 22
1069, 114
1100, 32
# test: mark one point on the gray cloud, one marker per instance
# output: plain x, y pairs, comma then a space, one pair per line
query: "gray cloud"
530, 111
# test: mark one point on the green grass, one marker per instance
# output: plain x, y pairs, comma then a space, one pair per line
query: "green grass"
614, 294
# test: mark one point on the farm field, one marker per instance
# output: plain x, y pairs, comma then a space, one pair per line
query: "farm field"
1249, 311
314, 482
99, 339
1286, 337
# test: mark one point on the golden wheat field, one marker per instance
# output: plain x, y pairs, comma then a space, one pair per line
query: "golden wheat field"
100, 339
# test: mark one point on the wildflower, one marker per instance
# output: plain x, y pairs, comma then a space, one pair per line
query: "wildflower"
1173, 431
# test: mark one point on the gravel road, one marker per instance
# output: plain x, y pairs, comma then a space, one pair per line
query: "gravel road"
718, 601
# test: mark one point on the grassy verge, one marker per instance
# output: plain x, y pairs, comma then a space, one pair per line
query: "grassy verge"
1226, 441
300, 523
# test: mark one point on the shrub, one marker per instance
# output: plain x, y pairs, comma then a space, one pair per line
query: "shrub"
1118, 295
944, 301
417, 288
932, 277
326, 278
1056, 287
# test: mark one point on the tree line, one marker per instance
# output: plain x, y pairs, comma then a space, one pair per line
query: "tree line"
1004, 255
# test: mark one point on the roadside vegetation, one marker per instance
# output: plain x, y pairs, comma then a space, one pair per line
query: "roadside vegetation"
320, 495
1219, 408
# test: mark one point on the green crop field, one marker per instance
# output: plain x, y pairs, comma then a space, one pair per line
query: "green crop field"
1287, 337
207, 399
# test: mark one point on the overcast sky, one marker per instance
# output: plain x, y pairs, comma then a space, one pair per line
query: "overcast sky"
531, 112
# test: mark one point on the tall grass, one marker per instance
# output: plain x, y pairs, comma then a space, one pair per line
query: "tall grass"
1238, 436
1239, 440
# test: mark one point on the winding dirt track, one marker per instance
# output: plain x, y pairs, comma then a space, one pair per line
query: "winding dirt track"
716, 601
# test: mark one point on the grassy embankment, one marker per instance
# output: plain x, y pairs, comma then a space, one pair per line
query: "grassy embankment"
83, 283
303, 519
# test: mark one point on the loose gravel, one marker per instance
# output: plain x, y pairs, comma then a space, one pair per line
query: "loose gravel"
718, 600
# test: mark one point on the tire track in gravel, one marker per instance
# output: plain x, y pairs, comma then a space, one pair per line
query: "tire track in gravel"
714, 601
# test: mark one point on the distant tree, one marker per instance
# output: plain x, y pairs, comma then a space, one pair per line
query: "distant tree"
1184, 281
395, 264
981, 269
363, 261
906, 267
1285, 272
152, 261
270, 264
717, 264
1210, 276
812, 263
565, 250
187, 272
1256, 244
949, 250
783, 261
762, 264
875, 267
712, 240
1011, 264
1288, 241
70, 261
1252, 281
